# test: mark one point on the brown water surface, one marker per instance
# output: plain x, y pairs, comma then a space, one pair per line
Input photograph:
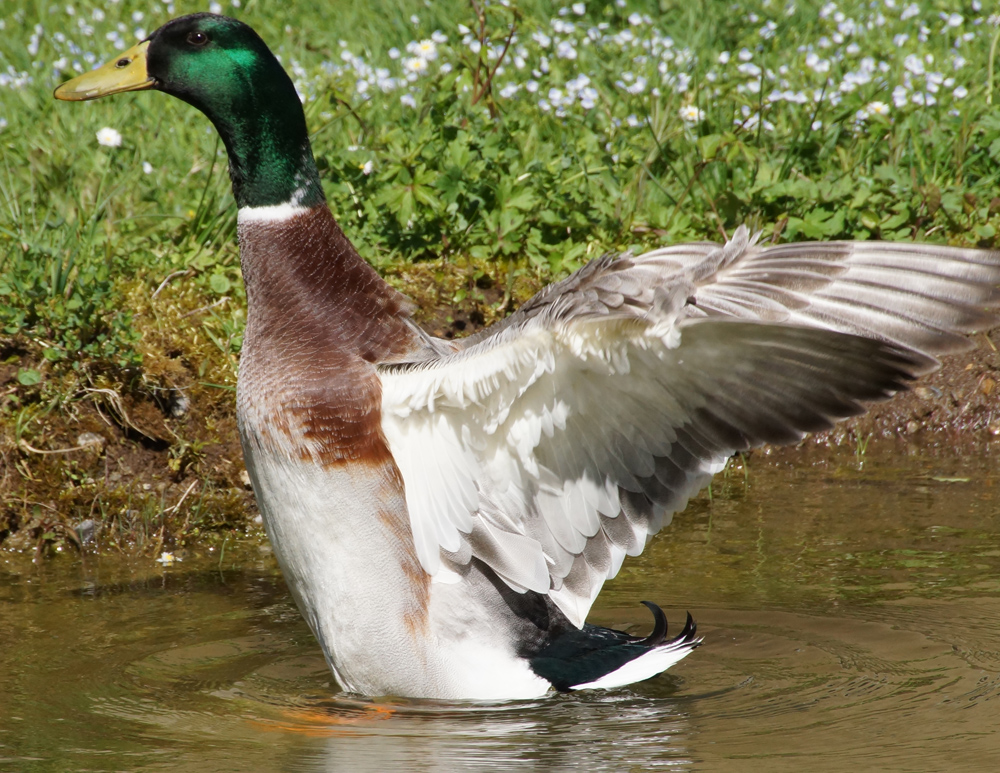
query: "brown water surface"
851, 614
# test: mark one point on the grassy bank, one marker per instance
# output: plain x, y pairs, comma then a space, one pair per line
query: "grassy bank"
473, 152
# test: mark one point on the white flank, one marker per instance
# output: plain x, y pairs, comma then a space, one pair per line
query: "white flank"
341, 565
643, 667
278, 213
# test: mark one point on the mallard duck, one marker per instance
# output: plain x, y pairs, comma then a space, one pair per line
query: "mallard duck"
446, 512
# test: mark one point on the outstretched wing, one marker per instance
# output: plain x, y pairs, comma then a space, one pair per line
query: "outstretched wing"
922, 296
551, 446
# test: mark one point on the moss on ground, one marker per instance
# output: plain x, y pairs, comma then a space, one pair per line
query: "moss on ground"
148, 459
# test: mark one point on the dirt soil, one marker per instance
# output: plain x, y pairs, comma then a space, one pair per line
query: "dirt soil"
152, 472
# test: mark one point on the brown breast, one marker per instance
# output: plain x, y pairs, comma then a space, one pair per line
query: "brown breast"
319, 319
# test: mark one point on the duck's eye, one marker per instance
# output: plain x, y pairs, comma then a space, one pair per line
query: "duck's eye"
123, 62
197, 38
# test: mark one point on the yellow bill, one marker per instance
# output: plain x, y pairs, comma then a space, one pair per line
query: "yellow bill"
126, 72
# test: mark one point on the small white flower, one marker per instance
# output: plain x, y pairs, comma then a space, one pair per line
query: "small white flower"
588, 98
914, 64
415, 64
910, 11
877, 108
109, 137
408, 100
394, 53
425, 49
367, 167
816, 64
817, 125
167, 559
531, 86
960, 92
541, 39
692, 114
579, 9
724, 57
565, 50
952, 20
147, 168
934, 81
900, 96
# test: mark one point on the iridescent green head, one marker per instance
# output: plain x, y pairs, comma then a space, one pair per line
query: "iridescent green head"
223, 68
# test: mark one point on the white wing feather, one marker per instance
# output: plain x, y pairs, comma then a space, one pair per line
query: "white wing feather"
553, 445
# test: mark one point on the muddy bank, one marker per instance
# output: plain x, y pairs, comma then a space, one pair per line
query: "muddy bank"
155, 464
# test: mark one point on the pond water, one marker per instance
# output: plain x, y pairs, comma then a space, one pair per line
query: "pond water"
850, 609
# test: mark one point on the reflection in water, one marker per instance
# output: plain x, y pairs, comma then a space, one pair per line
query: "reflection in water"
269, 713
851, 616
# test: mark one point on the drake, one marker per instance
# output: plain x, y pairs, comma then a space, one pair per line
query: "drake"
445, 513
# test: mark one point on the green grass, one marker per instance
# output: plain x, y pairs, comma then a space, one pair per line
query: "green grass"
814, 132
494, 178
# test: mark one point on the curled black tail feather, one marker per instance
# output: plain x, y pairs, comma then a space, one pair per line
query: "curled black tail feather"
655, 639
580, 657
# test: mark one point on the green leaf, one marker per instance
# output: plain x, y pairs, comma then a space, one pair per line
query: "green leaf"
28, 377
709, 145
861, 195
220, 284
995, 150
